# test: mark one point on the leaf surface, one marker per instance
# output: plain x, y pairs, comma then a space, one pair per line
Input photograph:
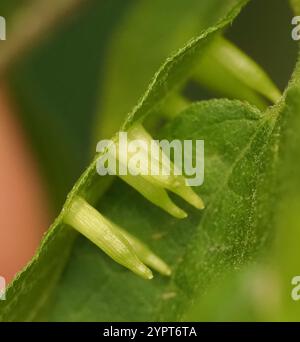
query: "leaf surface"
197, 248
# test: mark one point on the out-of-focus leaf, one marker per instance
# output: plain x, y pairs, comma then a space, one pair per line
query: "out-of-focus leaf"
286, 262
29, 22
287, 248
8, 6
55, 88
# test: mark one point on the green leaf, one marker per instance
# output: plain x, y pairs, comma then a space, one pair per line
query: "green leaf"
286, 260
28, 294
262, 292
286, 251
197, 248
